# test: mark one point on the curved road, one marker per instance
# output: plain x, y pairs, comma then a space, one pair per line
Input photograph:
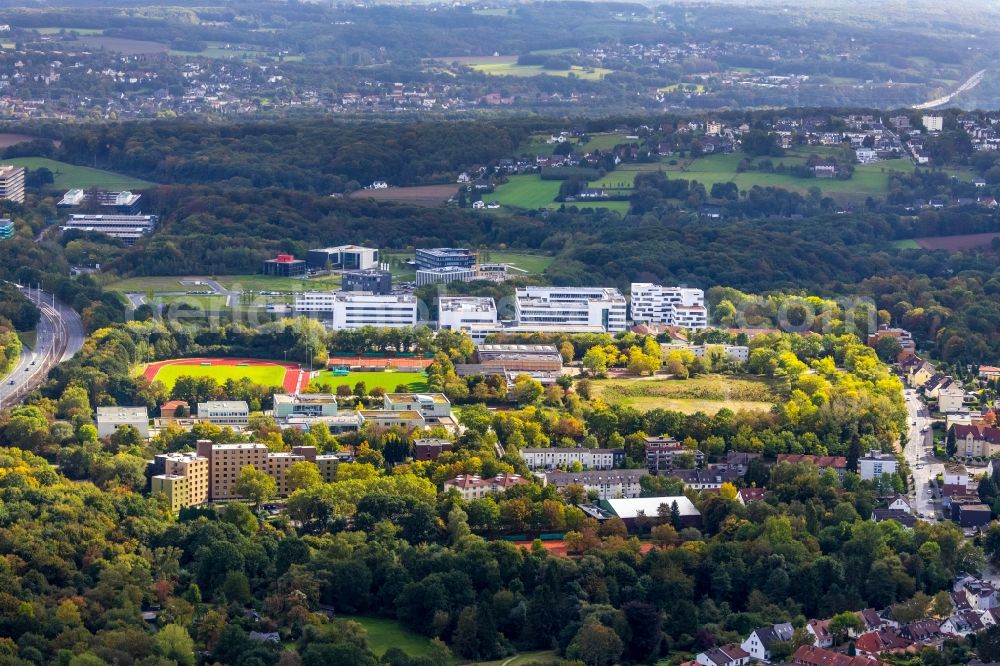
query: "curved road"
59, 337
970, 83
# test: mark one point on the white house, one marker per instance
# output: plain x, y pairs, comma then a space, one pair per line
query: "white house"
951, 397
727, 655
760, 641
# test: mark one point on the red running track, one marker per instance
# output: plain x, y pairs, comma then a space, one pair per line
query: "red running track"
294, 374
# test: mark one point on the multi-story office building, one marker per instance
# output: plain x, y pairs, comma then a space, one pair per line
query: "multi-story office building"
429, 448
439, 257
6, 229
351, 310
476, 316
235, 413
403, 418
126, 228
284, 265
304, 404
673, 306
444, 275
556, 457
343, 257
371, 280
110, 419
569, 309
12, 183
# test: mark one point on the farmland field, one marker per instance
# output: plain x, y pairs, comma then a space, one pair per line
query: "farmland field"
507, 66
421, 195
415, 381
69, 176
266, 373
80, 31
616, 206
707, 394
526, 192
604, 141
960, 242
120, 45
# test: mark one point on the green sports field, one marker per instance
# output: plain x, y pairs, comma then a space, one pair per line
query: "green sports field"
71, 176
414, 381
265, 375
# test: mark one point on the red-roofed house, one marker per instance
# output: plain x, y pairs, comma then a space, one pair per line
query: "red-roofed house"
879, 642
980, 441
472, 487
727, 655
821, 630
810, 655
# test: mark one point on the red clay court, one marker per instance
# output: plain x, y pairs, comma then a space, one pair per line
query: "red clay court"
293, 378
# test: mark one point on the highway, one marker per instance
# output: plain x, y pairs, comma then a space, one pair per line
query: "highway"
59, 337
920, 457
969, 84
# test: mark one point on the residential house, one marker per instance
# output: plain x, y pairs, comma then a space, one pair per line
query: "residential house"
727, 655
904, 518
881, 641
761, 641
747, 496
976, 441
810, 655
820, 629
921, 631
472, 487
662, 452
874, 464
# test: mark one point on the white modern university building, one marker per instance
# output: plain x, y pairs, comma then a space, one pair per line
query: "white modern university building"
569, 309
126, 228
474, 315
673, 306
351, 310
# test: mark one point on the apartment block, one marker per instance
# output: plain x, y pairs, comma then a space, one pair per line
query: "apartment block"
551, 458
226, 461
12, 183
570, 309
672, 306
182, 477
277, 467
439, 257
472, 487
126, 228
662, 454
343, 257
110, 419
606, 484
234, 413
473, 315
353, 310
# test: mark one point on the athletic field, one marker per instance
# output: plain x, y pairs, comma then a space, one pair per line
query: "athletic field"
267, 373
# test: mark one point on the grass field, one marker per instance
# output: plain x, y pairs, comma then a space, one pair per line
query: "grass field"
539, 657
533, 263
707, 394
908, 244
604, 141
384, 634
415, 381
528, 191
266, 375
70, 176
168, 284
616, 206
868, 179
79, 31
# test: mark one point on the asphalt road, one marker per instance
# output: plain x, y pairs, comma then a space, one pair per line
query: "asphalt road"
59, 337
919, 454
